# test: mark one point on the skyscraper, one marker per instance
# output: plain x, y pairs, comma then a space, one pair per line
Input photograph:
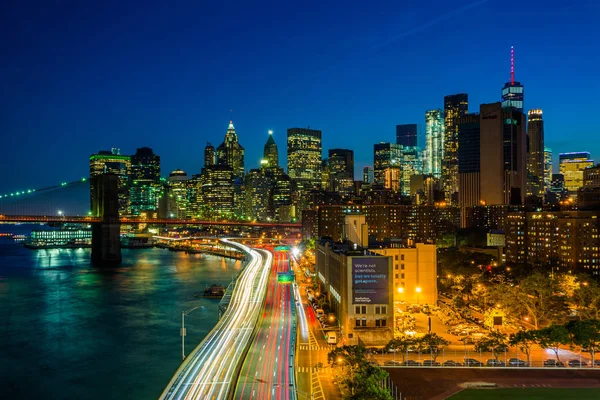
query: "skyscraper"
547, 168
231, 153
368, 174
406, 135
341, 167
270, 153
387, 158
535, 154
513, 92
112, 162
145, 188
304, 153
469, 137
571, 166
434, 143
210, 157
455, 106
178, 204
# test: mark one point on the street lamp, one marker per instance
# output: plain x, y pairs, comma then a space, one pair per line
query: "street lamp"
183, 330
339, 361
418, 290
400, 289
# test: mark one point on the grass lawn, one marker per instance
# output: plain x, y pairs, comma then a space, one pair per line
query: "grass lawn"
528, 394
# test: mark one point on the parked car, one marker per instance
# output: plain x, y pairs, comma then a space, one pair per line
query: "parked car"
431, 363
467, 340
411, 363
577, 363
492, 362
515, 362
551, 362
451, 363
471, 362
373, 362
391, 363
596, 363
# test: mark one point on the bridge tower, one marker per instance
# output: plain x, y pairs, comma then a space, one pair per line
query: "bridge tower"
106, 242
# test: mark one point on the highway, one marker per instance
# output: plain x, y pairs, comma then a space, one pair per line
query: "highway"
268, 371
210, 371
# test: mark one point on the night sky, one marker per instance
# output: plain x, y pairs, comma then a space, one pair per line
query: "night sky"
81, 76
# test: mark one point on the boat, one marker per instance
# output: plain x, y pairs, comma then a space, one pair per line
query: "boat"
214, 292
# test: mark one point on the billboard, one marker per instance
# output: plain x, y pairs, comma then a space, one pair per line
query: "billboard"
370, 280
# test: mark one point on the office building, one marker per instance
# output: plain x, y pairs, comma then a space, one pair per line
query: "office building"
341, 171
230, 153
455, 107
210, 155
410, 165
145, 188
535, 155
547, 168
112, 162
406, 135
270, 153
571, 166
258, 195
513, 92
217, 191
356, 283
304, 159
387, 159
368, 175
469, 144
178, 204
434, 143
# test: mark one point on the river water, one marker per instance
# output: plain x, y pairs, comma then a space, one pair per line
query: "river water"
72, 331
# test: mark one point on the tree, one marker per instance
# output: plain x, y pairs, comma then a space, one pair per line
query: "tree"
524, 340
496, 343
586, 298
433, 344
401, 345
552, 338
363, 381
587, 335
535, 296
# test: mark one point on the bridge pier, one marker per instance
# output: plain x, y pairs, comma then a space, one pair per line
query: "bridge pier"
106, 235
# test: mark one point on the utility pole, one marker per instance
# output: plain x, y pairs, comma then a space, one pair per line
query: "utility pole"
183, 330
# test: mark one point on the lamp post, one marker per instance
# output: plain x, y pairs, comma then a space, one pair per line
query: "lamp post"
183, 330
418, 290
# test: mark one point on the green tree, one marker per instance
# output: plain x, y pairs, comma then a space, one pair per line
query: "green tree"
433, 344
400, 344
496, 343
586, 298
552, 338
524, 340
587, 335
367, 384
352, 355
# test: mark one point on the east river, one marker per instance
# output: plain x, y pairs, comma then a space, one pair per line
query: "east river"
72, 331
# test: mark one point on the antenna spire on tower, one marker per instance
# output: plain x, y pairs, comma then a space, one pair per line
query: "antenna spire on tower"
512, 65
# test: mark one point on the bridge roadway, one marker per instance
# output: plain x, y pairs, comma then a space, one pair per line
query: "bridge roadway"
150, 221
268, 371
210, 371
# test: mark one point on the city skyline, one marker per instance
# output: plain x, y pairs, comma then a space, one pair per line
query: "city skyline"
177, 114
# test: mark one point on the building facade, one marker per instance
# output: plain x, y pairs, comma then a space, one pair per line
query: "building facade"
455, 107
145, 188
112, 162
571, 166
434, 143
406, 135
535, 155
231, 153
387, 160
547, 168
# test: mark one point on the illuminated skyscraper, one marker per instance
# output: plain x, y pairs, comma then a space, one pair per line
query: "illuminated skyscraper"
341, 170
571, 166
434, 143
145, 187
455, 106
304, 156
210, 157
112, 162
513, 92
231, 153
535, 154
547, 168
178, 203
270, 153
368, 174
387, 158
406, 135
258, 195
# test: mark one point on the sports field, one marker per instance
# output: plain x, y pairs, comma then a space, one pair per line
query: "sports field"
528, 394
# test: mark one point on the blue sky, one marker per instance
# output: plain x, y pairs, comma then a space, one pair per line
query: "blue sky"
78, 77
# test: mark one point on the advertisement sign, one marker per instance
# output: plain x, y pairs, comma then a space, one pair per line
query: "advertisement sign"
370, 280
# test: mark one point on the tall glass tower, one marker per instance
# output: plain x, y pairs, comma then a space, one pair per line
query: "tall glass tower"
434, 143
535, 153
513, 92
455, 107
